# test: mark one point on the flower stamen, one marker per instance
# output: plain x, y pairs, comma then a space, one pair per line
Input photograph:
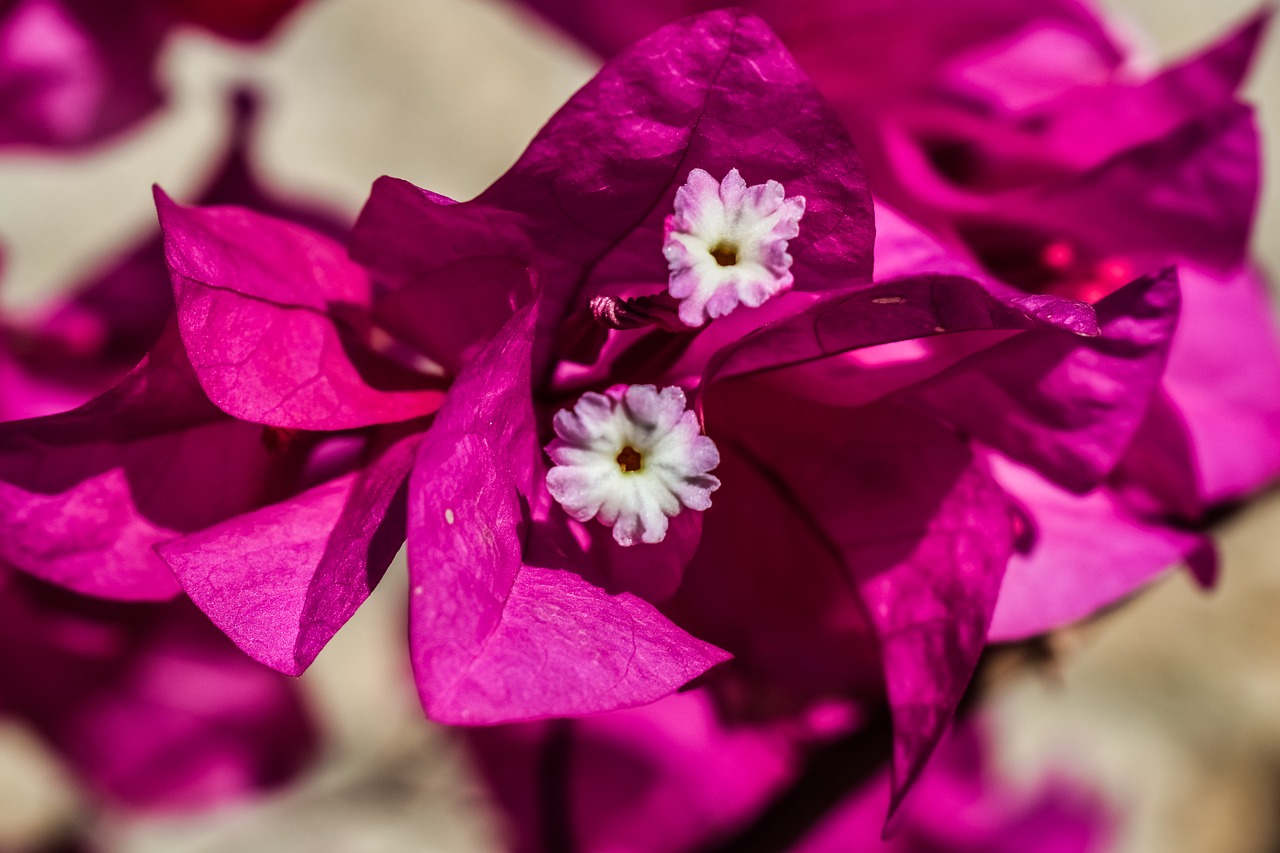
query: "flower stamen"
726, 254
630, 460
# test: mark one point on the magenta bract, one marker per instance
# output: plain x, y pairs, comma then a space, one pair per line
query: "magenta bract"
295, 360
88, 493
299, 568
148, 703
79, 347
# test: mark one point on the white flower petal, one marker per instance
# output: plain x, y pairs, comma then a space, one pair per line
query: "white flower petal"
726, 244
631, 460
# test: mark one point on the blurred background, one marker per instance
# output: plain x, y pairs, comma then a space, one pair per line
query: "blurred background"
1170, 705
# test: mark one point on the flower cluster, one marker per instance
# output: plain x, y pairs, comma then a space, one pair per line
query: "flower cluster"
1040, 161
675, 404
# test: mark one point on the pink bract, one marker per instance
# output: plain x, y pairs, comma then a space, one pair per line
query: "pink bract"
148, 703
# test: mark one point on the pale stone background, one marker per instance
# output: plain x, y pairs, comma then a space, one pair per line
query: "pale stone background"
1172, 705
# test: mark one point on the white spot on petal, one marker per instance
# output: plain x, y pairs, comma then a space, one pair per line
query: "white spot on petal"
448, 516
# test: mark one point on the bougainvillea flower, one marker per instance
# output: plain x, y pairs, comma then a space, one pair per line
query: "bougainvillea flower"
1021, 135
148, 703
499, 617
75, 72
631, 460
449, 301
519, 610
673, 776
493, 676
856, 544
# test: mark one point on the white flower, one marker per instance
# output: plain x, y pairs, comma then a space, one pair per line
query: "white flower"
726, 244
632, 459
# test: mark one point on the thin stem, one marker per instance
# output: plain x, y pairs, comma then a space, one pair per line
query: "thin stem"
555, 806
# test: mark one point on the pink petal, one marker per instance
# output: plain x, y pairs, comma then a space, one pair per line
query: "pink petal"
905, 309
494, 639
1064, 404
900, 508
1189, 195
1089, 551
1092, 124
282, 580
717, 92
108, 322
295, 358
447, 322
1224, 379
85, 495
